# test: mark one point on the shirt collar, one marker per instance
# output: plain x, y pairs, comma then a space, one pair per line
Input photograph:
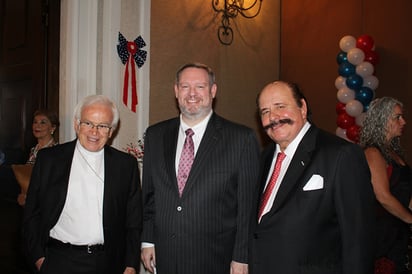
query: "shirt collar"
291, 148
198, 128
88, 153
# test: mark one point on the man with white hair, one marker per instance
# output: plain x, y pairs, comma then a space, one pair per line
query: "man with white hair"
83, 207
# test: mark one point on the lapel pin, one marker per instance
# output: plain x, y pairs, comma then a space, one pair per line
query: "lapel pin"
303, 164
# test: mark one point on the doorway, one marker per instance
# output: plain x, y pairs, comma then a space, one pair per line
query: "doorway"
29, 70
29, 80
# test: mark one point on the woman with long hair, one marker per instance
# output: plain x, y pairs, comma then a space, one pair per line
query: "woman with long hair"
391, 179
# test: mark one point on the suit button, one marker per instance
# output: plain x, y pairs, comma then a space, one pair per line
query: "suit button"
255, 235
179, 208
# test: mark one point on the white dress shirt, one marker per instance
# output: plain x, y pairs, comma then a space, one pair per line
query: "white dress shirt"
81, 222
199, 131
289, 151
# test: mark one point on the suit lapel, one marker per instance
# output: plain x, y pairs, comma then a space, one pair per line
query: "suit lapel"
63, 173
109, 177
300, 161
66, 159
170, 143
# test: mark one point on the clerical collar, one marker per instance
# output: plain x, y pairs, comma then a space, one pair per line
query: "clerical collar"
88, 153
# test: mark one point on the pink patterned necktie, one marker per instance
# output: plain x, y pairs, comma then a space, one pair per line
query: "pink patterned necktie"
271, 185
186, 160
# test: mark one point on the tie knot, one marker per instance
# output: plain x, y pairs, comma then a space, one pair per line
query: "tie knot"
189, 132
281, 156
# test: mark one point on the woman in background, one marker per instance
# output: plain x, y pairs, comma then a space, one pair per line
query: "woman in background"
44, 125
391, 180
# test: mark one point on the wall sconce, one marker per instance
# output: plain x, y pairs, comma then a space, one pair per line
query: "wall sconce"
230, 9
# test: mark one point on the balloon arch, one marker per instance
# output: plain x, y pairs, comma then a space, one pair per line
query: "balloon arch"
356, 83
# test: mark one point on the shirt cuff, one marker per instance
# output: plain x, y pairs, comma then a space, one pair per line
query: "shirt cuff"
145, 245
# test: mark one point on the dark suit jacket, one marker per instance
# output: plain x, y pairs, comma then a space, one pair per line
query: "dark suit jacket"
122, 205
207, 228
320, 231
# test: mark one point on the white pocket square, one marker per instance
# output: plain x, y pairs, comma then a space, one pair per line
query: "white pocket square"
315, 182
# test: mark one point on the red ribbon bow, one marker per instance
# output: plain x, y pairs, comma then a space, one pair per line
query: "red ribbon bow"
132, 49
131, 55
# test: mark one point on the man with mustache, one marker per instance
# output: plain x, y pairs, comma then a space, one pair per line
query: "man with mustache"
315, 215
196, 220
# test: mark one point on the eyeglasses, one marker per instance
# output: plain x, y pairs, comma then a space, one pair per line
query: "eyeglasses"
102, 128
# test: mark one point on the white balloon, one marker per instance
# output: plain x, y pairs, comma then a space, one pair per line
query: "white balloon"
371, 82
354, 108
364, 69
355, 56
347, 42
360, 118
340, 132
345, 95
340, 82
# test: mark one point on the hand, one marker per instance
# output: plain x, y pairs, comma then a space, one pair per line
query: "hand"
21, 199
149, 258
129, 270
238, 268
39, 263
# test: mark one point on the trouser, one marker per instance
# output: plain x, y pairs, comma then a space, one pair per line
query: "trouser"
69, 259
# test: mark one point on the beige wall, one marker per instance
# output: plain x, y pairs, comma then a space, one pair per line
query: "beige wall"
310, 36
296, 39
186, 31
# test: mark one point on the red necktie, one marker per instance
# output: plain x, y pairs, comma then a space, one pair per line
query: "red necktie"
186, 160
271, 184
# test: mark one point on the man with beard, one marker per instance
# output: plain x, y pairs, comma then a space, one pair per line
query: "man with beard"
314, 206
196, 215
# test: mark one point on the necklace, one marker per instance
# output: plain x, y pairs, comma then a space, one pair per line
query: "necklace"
89, 165
38, 147
46, 145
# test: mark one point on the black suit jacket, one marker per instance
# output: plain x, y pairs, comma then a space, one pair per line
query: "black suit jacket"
320, 231
207, 228
122, 206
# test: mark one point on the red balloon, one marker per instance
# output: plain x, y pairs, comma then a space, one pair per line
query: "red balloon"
353, 133
372, 57
345, 121
340, 108
365, 43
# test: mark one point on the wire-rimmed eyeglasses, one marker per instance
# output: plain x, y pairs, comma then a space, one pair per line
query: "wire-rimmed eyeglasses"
102, 128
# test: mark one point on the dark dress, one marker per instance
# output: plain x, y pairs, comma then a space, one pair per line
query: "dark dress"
392, 233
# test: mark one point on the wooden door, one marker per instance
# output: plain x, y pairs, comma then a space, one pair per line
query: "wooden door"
29, 50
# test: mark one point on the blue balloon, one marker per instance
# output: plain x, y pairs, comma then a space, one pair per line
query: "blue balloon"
342, 57
365, 96
346, 69
354, 81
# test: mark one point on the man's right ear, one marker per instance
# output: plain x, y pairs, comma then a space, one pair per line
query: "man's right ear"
76, 125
